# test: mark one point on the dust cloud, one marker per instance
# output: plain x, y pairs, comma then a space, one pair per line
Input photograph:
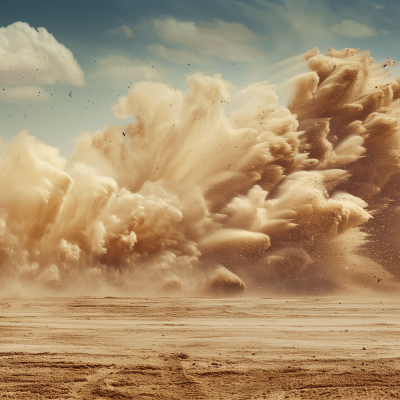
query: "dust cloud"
215, 191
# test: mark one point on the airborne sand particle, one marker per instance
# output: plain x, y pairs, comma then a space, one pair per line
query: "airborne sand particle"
283, 201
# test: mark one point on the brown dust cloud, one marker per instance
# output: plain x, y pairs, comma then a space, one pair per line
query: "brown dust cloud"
216, 192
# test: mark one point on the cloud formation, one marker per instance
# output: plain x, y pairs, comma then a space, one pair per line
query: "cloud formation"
353, 29
289, 24
30, 56
123, 30
224, 40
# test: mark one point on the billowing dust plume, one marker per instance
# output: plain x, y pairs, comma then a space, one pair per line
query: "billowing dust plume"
190, 198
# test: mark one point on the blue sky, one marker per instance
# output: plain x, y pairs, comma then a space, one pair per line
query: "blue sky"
98, 49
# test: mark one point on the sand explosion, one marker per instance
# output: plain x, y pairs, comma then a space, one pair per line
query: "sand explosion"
190, 198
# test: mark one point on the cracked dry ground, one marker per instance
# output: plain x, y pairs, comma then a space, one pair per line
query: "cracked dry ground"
110, 348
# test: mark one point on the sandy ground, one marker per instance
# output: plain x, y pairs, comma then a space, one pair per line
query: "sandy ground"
178, 348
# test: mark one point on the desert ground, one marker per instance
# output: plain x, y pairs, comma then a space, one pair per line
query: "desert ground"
200, 348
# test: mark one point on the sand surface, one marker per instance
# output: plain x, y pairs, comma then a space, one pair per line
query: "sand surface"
178, 348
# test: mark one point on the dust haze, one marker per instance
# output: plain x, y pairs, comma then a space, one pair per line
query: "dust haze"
215, 191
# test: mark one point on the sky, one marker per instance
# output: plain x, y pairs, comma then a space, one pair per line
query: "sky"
64, 64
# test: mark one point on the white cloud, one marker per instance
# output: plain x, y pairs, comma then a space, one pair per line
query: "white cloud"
177, 55
353, 29
380, 6
122, 70
18, 94
123, 30
30, 56
226, 40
